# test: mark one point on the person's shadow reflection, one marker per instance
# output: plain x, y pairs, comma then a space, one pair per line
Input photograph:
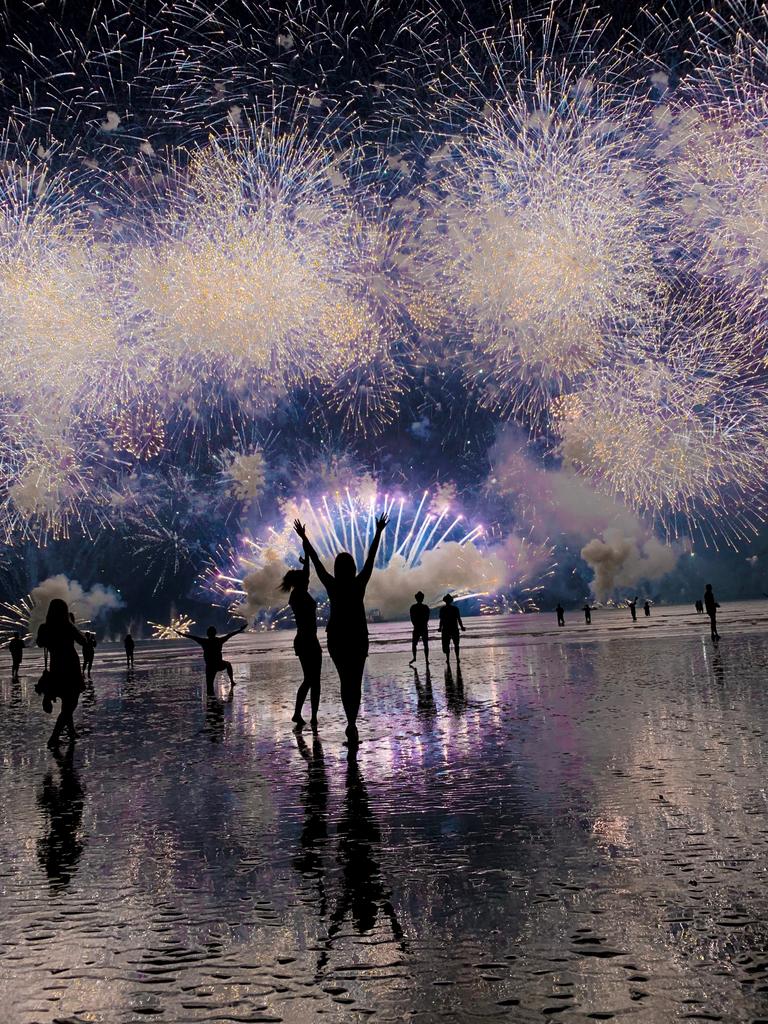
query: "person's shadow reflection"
214, 716
61, 799
314, 798
454, 691
425, 700
363, 893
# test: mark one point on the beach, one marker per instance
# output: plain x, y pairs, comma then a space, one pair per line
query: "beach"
572, 827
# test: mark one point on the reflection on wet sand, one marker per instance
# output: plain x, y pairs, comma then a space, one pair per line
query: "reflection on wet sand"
61, 798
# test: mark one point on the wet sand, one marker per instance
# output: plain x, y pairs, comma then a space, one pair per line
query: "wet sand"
574, 829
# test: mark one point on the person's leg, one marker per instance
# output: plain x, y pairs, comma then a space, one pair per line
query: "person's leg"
425, 641
414, 645
456, 642
446, 642
314, 682
227, 666
351, 680
303, 690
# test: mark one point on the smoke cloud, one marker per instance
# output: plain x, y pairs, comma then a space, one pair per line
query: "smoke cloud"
87, 605
618, 561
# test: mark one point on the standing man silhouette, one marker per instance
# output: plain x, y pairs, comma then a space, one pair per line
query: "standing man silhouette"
419, 618
647, 609
449, 626
711, 607
129, 645
560, 612
632, 605
587, 614
89, 650
16, 647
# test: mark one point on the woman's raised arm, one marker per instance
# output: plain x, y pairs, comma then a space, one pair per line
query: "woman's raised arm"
322, 573
367, 570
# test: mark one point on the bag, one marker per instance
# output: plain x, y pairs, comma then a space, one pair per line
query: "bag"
44, 686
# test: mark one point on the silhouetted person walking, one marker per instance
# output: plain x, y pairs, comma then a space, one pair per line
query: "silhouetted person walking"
129, 645
587, 615
64, 680
647, 609
449, 626
711, 606
560, 612
89, 650
347, 628
16, 649
306, 646
632, 605
212, 645
420, 613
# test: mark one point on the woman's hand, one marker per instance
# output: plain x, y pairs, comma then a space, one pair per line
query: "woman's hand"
381, 522
300, 528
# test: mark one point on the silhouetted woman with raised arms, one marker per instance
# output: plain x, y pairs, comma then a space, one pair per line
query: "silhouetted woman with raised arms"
347, 628
58, 634
305, 644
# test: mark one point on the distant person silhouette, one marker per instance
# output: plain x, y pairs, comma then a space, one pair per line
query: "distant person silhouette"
64, 680
647, 609
212, 645
129, 646
560, 612
16, 648
347, 628
587, 615
420, 613
60, 847
632, 605
306, 646
700, 607
89, 650
711, 606
449, 625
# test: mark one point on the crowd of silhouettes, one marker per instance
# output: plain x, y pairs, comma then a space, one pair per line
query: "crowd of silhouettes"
709, 604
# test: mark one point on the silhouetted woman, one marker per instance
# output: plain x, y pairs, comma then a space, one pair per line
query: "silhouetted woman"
59, 635
347, 628
305, 643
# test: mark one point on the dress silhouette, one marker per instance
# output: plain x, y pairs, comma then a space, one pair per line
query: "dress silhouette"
711, 607
420, 613
16, 649
306, 646
129, 646
212, 645
64, 680
560, 612
347, 628
449, 627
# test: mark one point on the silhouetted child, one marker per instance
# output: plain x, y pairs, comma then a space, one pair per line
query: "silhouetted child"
129, 646
347, 628
212, 646
16, 648
587, 615
419, 618
647, 609
449, 626
711, 606
560, 612
89, 650
632, 605
64, 680
306, 646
